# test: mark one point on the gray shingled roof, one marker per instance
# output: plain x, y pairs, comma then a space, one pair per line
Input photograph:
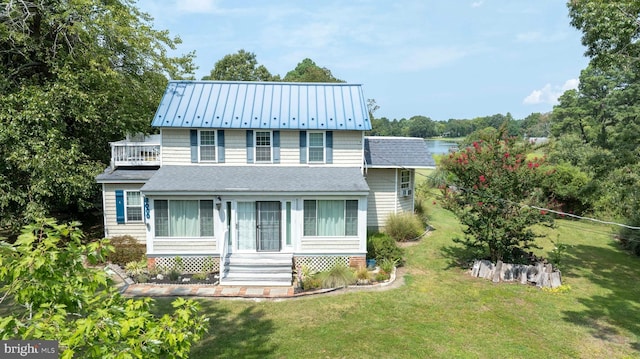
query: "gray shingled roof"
255, 179
130, 175
397, 152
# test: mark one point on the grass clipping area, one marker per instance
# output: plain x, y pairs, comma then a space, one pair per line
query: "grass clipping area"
442, 312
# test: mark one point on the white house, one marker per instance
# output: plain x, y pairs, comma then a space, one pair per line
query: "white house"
258, 177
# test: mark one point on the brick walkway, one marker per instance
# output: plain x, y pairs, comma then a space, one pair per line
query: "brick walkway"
149, 290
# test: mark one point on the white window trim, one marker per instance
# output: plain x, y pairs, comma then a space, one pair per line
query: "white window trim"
173, 198
324, 147
358, 214
255, 146
215, 145
405, 184
126, 207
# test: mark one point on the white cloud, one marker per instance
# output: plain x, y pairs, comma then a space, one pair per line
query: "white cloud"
196, 6
549, 94
427, 58
477, 3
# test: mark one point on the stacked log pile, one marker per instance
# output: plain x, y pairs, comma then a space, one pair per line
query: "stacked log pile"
541, 274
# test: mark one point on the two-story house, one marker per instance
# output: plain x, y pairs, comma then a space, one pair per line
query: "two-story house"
258, 178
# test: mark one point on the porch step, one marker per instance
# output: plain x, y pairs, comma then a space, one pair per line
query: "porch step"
257, 269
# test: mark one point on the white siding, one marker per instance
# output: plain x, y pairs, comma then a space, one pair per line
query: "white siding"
176, 148
382, 196
184, 246
112, 229
235, 147
330, 245
347, 148
289, 147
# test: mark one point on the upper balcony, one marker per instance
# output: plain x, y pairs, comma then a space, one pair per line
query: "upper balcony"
136, 151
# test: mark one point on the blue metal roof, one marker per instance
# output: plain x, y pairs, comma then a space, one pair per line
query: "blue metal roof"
263, 105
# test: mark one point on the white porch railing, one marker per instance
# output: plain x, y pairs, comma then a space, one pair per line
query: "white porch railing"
135, 154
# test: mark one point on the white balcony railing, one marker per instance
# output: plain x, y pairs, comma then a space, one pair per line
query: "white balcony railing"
124, 153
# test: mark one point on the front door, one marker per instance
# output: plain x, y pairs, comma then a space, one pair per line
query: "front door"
258, 225
268, 226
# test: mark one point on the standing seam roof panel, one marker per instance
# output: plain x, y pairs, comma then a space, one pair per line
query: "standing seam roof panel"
272, 105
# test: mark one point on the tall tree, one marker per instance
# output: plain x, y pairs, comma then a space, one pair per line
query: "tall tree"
74, 75
308, 71
242, 66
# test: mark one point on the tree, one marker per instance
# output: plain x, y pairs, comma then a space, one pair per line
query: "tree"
56, 297
308, 71
609, 29
242, 66
421, 126
492, 186
74, 75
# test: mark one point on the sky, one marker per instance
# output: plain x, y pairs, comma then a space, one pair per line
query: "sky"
437, 58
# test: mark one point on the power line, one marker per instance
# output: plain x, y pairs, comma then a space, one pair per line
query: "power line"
572, 215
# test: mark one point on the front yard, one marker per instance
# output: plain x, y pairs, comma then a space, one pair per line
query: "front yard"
441, 312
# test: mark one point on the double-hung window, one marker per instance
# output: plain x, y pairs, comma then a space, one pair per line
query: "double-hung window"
330, 218
316, 147
133, 206
183, 218
405, 180
263, 146
207, 145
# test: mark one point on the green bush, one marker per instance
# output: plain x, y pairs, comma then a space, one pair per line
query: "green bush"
381, 246
127, 249
404, 226
382, 276
336, 277
310, 283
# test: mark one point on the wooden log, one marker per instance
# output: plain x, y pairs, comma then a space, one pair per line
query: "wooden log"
506, 274
475, 270
496, 272
555, 279
486, 269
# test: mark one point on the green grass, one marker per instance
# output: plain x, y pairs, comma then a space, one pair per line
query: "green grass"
441, 312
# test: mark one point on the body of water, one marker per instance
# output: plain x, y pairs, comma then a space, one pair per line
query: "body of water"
439, 147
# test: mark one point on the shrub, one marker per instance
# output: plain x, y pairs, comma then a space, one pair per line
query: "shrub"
336, 277
381, 246
134, 269
310, 283
126, 249
382, 276
388, 265
404, 226
363, 275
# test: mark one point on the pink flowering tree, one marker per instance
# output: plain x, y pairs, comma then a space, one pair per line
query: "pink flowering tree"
491, 187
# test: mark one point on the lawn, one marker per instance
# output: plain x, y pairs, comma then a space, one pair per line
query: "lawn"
441, 312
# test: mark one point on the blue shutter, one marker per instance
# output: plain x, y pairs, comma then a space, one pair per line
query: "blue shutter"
329, 145
303, 146
276, 146
249, 146
120, 206
221, 146
194, 145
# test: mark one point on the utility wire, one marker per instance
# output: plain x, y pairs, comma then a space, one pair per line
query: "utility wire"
530, 206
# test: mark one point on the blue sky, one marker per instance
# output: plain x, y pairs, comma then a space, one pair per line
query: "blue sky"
437, 58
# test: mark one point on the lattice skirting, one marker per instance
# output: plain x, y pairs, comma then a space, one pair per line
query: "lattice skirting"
320, 263
190, 264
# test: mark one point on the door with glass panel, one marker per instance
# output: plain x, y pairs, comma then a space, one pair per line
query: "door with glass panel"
258, 226
268, 226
